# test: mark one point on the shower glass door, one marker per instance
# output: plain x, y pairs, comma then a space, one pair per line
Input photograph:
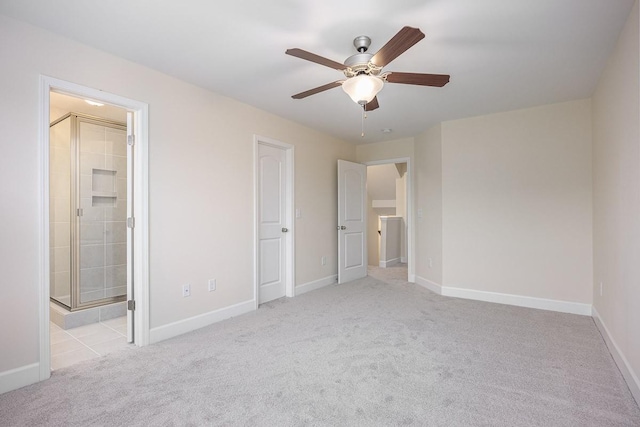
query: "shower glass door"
102, 214
60, 200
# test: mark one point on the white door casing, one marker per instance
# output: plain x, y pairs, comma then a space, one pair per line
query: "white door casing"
140, 210
130, 214
274, 235
352, 236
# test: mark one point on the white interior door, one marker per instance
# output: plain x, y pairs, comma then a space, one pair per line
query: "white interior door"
352, 236
130, 224
272, 222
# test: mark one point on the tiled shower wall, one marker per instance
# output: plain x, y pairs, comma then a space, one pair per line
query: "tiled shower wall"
102, 178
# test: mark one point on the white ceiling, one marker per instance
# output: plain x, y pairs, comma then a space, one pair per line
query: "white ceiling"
501, 54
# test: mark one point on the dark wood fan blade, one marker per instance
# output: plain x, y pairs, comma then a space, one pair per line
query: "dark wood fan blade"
372, 105
398, 44
303, 54
317, 90
437, 80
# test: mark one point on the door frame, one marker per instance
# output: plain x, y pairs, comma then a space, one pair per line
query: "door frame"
289, 213
410, 217
141, 208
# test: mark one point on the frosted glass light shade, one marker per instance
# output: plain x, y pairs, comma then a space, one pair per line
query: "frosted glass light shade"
362, 88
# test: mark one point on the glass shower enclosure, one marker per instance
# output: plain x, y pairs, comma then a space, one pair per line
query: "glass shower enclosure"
87, 211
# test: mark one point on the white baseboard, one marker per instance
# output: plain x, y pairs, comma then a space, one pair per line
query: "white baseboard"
623, 364
519, 300
403, 259
316, 284
19, 377
180, 327
389, 263
509, 299
425, 283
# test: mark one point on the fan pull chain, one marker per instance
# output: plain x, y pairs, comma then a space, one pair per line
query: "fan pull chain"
364, 116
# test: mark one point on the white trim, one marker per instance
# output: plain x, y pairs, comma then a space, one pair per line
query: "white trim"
403, 259
180, 327
508, 299
410, 231
518, 300
389, 263
141, 208
44, 355
428, 284
19, 377
623, 364
316, 284
290, 288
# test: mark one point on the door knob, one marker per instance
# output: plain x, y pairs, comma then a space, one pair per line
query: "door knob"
284, 229
342, 227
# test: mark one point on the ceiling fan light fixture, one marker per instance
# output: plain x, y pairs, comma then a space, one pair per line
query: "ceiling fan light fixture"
363, 88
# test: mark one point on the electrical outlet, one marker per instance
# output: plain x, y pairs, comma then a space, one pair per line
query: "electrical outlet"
323, 260
212, 285
186, 291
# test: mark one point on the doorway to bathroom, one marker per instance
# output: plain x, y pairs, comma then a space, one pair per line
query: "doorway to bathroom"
90, 165
95, 206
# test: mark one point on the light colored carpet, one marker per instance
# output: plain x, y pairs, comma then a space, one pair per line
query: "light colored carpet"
366, 353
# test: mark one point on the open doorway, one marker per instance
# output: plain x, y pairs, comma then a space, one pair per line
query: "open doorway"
104, 176
387, 214
90, 177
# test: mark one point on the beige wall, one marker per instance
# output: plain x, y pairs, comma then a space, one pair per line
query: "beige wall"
385, 150
516, 191
201, 184
616, 196
428, 206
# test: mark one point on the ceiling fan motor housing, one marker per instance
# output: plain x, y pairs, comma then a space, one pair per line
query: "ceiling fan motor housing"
357, 61
362, 43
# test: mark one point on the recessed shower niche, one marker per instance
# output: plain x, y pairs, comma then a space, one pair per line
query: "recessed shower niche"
88, 211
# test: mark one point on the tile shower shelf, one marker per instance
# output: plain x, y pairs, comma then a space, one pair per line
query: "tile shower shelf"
104, 194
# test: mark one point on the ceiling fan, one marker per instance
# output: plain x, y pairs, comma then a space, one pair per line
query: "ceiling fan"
363, 71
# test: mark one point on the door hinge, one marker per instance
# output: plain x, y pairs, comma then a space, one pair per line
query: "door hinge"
131, 305
131, 139
131, 222
79, 212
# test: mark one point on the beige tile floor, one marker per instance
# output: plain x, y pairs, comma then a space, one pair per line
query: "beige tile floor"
87, 342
